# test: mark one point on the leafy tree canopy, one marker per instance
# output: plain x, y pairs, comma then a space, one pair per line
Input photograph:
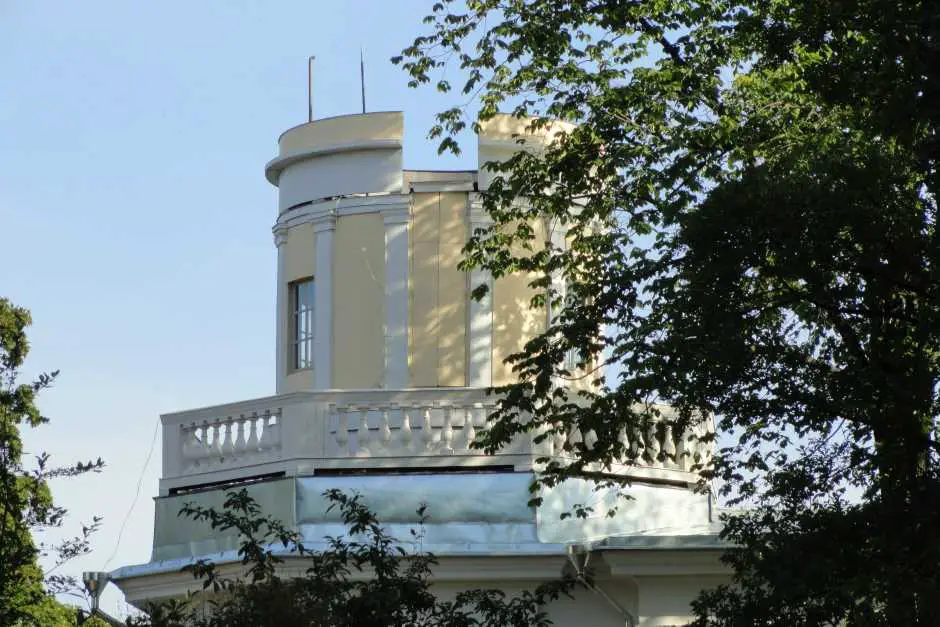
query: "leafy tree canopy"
749, 197
26, 504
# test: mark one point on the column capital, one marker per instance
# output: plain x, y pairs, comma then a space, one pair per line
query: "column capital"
280, 235
396, 214
324, 222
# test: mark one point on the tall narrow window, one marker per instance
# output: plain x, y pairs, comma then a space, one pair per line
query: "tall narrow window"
301, 322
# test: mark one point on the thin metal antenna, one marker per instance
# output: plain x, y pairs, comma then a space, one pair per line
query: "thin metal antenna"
310, 89
362, 79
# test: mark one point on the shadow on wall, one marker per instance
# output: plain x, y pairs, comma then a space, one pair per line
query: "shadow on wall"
440, 300
438, 291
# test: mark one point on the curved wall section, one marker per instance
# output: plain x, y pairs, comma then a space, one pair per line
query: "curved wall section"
360, 171
352, 154
342, 130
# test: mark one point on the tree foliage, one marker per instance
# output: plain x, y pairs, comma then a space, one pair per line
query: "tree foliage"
749, 197
26, 504
365, 579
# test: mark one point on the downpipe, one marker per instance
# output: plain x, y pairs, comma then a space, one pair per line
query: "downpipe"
579, 556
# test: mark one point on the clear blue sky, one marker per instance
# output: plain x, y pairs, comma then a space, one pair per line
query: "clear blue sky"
135, 220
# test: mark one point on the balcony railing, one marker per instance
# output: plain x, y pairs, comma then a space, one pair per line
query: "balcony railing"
301, 433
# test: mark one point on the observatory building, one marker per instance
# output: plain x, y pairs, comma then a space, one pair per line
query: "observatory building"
383, 365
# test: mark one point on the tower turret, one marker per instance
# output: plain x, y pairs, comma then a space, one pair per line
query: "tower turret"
369, 293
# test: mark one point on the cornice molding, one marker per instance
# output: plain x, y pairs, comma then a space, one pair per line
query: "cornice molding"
280, 235
399, 214
618, 565
274, 168
324, 222
392, 207
420, 187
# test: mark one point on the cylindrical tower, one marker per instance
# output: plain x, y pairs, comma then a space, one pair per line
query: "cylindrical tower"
369, 294
340, 213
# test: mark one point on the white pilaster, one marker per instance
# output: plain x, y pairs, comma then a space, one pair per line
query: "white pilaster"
280, 238
324, 227
480, 335
396, 297
556, 235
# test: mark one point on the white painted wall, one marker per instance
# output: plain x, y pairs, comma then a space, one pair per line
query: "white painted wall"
334, 174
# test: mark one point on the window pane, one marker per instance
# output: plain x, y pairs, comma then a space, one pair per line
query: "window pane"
302, 295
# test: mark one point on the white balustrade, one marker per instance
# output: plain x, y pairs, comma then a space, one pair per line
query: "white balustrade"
388, 429
660, 445
413, 429
231, 439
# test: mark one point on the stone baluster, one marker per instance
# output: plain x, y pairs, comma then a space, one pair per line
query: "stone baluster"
470, 431
342, 430
253, 443
204, 450
427, 435
264, 442
362, 433
228, 441
638, 447
669, 447
216, 447
559, 438
624, 441
654, 446
240, 434
385, 428
406, 434
447, 431
590, 439
682, 452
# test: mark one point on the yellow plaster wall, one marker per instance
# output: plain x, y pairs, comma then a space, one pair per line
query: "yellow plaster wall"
301, 253
359, 302
506, 127
424, 325
438, 311
299, 380
452, 341
514, 321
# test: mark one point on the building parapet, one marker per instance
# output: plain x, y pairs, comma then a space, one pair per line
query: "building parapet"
341, 431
